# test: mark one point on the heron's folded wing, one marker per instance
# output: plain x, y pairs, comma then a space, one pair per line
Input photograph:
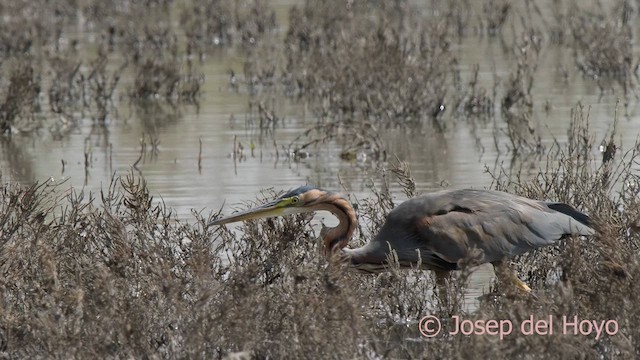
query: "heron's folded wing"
498, 234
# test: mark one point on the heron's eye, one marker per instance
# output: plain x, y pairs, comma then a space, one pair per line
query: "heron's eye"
295, 200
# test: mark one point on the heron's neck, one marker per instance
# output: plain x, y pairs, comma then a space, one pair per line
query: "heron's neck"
336, 238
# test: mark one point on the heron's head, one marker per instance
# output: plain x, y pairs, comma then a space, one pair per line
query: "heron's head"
300, 200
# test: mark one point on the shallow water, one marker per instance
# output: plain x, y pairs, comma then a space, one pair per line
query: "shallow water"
455, 159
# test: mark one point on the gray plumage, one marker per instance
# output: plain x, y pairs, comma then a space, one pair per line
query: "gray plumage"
445, 226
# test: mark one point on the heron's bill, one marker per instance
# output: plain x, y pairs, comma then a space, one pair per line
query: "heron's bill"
273, 208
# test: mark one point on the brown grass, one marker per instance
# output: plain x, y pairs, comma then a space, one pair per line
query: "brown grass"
117, 275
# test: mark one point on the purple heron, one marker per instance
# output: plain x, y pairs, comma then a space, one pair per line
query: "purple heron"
436, 231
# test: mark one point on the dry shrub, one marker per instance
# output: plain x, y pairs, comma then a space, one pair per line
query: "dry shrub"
16, 38
495, 15
133, 27
367, 67
30, 26
474, 101
603, 44
221, 23
67, 86
168, 80
378, 62
162, 70
120, 276
101, 84
517, 102
20, 99
588, 277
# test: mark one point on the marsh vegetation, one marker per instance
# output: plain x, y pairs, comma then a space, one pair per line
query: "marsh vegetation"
116, 273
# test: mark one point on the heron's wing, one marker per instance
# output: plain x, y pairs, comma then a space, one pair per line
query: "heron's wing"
448, 225
571, 211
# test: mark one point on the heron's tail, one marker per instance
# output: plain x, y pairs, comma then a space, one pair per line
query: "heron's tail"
569, 210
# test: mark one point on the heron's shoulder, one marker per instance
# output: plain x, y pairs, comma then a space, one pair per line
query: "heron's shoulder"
466, 200
461, 195
470, 195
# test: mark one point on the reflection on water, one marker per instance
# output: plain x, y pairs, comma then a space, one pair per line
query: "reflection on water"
164, 143
171, 140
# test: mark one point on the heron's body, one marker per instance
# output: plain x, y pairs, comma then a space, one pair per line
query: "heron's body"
436, 231
440, 229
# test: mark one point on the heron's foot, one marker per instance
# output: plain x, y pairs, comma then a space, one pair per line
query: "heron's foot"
502, 271
521, 285
441, 285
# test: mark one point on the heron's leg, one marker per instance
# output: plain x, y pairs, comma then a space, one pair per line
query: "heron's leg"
441, 284
441, 277
504, 273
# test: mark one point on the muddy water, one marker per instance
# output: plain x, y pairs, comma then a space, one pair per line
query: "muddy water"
455, 159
